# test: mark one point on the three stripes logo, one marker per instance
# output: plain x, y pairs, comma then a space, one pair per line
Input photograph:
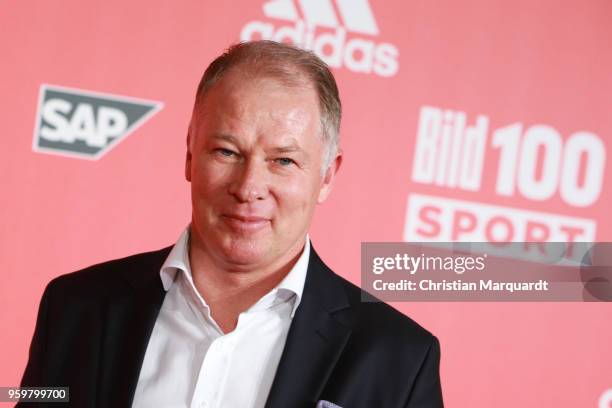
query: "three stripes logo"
323, 26
85, 124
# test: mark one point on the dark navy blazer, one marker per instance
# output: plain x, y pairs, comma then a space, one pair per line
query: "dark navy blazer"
94, 325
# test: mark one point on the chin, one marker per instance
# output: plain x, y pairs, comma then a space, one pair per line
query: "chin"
245, 252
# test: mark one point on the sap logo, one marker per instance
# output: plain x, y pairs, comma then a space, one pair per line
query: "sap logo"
358, 54
86, 124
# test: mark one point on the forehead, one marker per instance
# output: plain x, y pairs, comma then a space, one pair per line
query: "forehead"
252, 99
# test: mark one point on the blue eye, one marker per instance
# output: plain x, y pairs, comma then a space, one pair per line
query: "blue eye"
284, 161
225, 152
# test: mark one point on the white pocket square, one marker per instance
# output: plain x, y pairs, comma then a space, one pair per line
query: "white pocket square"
326, 404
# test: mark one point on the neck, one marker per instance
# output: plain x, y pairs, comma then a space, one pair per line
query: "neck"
230, 291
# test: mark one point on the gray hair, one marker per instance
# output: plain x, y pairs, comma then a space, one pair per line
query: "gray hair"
292, 66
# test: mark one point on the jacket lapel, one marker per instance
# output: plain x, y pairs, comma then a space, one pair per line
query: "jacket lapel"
129, 321
320, 329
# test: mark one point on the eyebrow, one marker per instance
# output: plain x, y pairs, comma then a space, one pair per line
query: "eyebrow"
290, 147
226, 137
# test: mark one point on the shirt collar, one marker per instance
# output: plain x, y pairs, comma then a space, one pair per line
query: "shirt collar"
178, 259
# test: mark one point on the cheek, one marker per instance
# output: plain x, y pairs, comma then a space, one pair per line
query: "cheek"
299, 196
210, 178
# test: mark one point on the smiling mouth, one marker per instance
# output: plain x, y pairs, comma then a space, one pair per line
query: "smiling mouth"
247, 224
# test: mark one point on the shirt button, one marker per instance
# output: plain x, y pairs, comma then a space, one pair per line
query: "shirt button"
203, 404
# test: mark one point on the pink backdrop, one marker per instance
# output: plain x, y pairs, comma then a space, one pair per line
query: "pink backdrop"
508, 101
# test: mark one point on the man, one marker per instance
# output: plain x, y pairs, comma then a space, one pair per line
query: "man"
241, 312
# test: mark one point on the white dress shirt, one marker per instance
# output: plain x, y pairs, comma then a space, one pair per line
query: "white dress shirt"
189, 362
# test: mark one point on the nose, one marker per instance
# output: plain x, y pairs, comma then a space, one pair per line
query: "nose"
250, 182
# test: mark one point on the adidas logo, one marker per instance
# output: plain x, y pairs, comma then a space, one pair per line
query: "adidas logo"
323, 26
86, 124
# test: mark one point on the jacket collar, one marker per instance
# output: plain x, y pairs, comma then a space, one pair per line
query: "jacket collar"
128, 322
317, 336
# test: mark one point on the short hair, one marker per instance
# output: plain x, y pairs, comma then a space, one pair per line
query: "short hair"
292, 66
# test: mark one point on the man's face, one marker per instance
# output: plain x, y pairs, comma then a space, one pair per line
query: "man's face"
255, 171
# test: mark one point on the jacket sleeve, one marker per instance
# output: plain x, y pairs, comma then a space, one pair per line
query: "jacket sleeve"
427, 390
34, 372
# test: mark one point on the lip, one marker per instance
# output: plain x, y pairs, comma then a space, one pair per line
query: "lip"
245, 223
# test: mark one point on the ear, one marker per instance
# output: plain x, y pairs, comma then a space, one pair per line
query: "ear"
188, 156
329, 178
